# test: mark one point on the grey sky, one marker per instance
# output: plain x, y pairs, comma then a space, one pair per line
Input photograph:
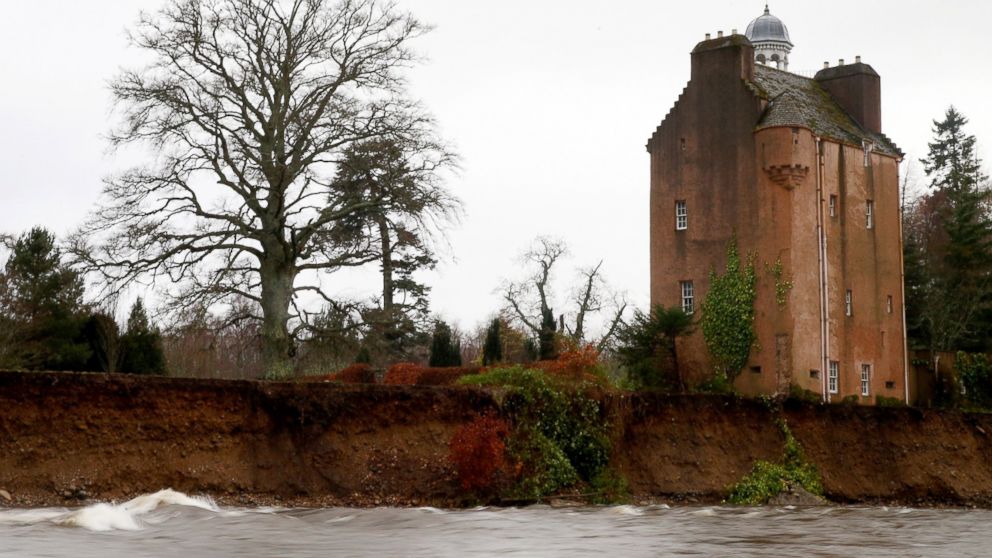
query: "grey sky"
548, 102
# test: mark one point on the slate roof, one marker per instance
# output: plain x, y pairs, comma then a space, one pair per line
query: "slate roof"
795, 100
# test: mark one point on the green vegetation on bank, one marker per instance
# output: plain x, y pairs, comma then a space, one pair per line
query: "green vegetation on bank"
559, 435
767, 480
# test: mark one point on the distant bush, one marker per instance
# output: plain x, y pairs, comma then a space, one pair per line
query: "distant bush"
478, 452
974, 372
359, 373
402, 374
444, 376
883, 401
797, 393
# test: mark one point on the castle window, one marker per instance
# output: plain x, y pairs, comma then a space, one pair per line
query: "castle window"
868, 148
866, 380
683, 144
688, 296
833, 205
681, 215
795, 136
888, 304
833, 377
848, 303
869, 214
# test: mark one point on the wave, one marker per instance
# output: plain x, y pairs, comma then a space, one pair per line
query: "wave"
128, 516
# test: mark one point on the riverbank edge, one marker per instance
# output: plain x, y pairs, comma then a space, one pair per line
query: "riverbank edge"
68, 439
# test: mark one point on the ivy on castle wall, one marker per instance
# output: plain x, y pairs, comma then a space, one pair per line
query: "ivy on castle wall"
783, 282
728, 314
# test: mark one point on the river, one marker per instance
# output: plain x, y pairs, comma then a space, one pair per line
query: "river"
172, 524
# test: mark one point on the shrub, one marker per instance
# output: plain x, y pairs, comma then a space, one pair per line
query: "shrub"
767, 480
358, 373
580, 365
402, 374
478, 452
444, 376
551, 417
883, 401
647, 347
975, 374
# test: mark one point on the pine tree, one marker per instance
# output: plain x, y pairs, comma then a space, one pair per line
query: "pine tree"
41, 307
548, 336
445, 350
492, 351
142, 344
953, 284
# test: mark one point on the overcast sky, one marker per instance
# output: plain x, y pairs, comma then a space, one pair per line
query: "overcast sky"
549, 104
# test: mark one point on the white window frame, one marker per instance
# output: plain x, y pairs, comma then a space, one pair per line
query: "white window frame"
681, 215
833, 377
865, 380
888, 304
869, 214
688, 292
833, 205
848, 303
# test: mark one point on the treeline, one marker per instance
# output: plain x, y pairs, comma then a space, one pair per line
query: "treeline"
46, 325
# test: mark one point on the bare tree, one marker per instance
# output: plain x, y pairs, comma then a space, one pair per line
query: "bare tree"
529, 302
248, 105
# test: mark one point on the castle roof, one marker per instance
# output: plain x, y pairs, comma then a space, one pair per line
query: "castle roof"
794, 100
767, 28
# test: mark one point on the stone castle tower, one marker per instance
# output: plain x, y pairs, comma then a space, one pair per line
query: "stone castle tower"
798, 170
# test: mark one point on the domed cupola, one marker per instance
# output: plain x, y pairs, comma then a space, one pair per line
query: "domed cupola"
771, 40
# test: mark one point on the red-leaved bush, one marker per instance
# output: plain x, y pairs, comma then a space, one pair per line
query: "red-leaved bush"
478, 452
579, 364
355, 374
445, 376
402, 374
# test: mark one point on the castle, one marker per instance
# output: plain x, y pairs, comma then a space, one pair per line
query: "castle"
798, 171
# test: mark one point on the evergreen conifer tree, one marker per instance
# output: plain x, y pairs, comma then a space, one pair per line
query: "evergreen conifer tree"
547, 338
492, 351
141, 344
41, 307
949, 282
445, 350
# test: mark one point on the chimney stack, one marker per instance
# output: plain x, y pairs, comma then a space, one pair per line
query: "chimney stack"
707, 36
719, 34
858, 89
857, 59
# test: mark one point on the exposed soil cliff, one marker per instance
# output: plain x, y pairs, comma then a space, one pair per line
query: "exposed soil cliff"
64, 437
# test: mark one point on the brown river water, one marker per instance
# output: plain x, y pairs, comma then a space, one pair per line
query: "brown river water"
173, 524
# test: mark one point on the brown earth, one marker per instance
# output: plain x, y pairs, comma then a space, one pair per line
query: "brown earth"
70, 437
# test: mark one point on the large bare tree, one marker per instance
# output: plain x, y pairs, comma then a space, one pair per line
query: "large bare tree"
248, 106
529, 302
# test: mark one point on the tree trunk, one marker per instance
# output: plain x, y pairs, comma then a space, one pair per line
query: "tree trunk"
387, 265
277, 294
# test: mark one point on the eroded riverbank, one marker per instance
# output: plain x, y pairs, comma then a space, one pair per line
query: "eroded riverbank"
70, 437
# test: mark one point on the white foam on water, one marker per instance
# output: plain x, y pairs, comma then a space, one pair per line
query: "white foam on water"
627, 510
128, 516
429, 509
705, 512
